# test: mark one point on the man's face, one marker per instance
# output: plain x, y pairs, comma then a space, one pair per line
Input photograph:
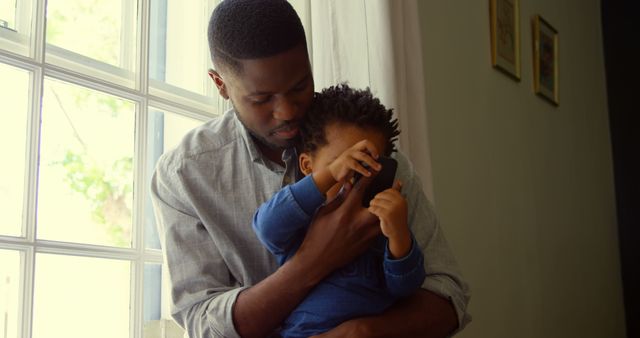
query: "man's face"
271, 95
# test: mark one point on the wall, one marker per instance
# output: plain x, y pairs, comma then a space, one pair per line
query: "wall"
524, 190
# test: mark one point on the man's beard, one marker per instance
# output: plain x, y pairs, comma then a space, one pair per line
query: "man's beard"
263, 140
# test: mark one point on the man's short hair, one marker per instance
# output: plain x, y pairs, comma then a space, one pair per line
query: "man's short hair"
343, 104
252, 29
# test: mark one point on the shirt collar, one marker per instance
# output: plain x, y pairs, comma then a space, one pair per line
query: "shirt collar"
252, 147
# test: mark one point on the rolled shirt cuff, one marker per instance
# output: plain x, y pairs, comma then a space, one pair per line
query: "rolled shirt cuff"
220, 314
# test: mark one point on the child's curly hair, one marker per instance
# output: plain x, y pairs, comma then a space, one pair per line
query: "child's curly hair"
343, 104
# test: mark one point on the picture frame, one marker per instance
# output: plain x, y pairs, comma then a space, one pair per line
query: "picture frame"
545, 60
505, 36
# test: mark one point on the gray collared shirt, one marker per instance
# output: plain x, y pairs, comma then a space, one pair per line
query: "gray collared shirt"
205, 192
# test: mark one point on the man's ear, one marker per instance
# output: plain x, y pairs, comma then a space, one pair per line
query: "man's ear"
217, 79
305, 163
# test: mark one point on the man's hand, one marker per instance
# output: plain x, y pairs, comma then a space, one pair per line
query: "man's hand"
341, 230
348, 329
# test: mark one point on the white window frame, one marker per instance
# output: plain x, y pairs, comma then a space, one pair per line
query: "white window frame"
18, 39
28, 245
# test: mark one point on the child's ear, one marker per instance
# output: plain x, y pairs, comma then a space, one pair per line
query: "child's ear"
305, 163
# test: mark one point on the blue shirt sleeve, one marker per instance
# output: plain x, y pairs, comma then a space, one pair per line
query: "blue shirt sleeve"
406, 274
282, 221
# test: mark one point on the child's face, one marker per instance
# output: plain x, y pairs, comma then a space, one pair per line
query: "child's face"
340, 137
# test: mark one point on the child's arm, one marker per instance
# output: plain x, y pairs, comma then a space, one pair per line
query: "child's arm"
343, 167
281, 222
403, 263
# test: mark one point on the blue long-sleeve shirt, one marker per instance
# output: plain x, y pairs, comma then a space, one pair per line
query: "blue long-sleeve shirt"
366, 286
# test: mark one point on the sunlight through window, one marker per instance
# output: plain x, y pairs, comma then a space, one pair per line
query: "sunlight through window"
86, 119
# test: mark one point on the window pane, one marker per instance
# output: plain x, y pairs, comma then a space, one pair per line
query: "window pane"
9, 293
81, 297
81, 32
8, 14
152, 292
165, 131
86, 166
15, 25
14, 95
179, 53
157, 321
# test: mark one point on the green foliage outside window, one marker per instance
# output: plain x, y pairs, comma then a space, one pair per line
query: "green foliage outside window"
107, 189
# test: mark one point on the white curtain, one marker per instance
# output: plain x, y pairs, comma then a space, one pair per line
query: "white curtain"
375, 44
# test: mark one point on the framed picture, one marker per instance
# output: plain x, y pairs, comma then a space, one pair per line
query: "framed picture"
545, 60
505, 36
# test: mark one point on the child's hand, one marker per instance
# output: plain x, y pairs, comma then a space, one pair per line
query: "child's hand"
391, 208
350, 161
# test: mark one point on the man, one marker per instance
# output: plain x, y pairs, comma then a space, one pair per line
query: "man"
224, 283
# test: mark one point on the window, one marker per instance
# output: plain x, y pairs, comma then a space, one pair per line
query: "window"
92, 93
16, 26
14, 95
8, 14
10, 260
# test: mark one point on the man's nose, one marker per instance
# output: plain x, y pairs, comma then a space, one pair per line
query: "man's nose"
285, 109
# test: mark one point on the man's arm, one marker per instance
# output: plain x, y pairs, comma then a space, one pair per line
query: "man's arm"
207, 298
423, 314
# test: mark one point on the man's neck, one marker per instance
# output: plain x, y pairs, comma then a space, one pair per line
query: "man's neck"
273, 154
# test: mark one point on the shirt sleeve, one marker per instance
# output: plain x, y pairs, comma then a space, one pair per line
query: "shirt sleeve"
202, 294
443, 275
282, 221
406, 274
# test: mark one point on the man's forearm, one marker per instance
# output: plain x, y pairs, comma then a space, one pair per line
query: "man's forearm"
423, 314
259, 310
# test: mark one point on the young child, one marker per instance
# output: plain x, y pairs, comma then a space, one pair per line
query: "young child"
343, 129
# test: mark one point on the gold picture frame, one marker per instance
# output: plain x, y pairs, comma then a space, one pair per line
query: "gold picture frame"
545, 60
505, 36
